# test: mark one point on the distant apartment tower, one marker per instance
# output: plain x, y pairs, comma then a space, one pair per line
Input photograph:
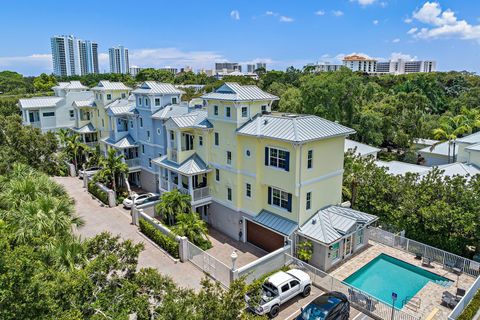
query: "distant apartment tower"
173, 71
261, 65
119, 62
72, 56
250, 68
227, 67
402, 67
134, 70
356, 62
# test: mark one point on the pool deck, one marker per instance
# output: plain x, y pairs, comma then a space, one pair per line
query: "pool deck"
430, 294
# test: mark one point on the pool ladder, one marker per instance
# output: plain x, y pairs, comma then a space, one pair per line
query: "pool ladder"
412, 303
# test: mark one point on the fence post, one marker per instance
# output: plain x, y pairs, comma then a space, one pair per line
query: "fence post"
112, 202
135, 215
182, 248
85, 179
408, 242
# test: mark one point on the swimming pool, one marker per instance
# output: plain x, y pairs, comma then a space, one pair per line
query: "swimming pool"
385, 274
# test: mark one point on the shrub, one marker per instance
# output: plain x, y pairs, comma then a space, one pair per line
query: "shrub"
166, 242
305, 251
471, 308
97, 192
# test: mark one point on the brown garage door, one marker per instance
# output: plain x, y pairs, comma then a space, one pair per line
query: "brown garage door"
263, 237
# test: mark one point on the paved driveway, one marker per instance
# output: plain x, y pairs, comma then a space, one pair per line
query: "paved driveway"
118, 222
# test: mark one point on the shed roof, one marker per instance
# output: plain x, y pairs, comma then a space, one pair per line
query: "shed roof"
149, 87
40, 102
440, 149
233, 91
292, 127
192, 166
275, 222
471, 138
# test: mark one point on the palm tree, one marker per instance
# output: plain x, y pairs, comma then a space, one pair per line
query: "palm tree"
191, 226
172, 204
63, 135
450, 128
114, 167
74, 147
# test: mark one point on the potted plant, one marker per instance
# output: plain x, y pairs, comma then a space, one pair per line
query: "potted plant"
305, 251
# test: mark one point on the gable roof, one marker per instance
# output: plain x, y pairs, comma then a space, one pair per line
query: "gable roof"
193, 165
359, 148
123, 143
104, 85
84, 103
88, 128
170, 111
72, 85
471, 138
330, 224
460, 169
232, 91
40, 102
292, 127
196, 120
121, 107
156, 87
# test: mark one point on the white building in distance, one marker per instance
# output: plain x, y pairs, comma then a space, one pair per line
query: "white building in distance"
118, 57
401, 66
73, 56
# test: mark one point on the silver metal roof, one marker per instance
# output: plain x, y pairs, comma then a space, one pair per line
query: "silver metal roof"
121, 107
440, 149
196, 119
40, 102
84, 103
472, 138
123, 143
88, 128
156, 87
170, 111
72, 85
459, 169
332, 223
275, 222
233, 91
107, 85
293, 127
475, 147
359, 148
192, 166
402, 168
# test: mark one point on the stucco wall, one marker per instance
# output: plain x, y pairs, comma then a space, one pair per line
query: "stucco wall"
149, 181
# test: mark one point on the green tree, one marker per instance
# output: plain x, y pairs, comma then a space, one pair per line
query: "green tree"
172, 204
195, 229
113, 168
44, 82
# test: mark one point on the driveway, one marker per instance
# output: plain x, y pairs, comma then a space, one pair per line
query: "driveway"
118, 222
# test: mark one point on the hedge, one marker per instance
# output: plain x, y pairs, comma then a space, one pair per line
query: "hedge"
471, 308
97, 192
166, 242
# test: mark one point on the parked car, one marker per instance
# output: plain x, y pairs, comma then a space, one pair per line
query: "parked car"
89, 171
278, 289
139, 199
329, 306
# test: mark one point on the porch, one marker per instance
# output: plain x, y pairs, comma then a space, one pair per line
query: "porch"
88, 134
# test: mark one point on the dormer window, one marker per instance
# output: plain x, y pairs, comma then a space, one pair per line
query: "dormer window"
157, 102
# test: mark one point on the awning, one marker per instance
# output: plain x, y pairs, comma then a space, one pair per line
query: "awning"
88, 128
276, 223
192, 166
124, 143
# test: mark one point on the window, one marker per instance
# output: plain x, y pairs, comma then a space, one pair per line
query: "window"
227, 112
123, 95
141, 122
285, 288
146, 102
229, 194
229, 158
335, 251
200, 140
72, 114
150, 162
248, 190
217, 138
49, 114
174, 100
103, 123
310, 159
139, 101
143, 148
244, 112
109, 96
217, 175
247, 153
158, 131
148, 135
279, 198
294, 283
308, 205
359, 237
172, 135
157, 101
277, 158
131, 123
215, 110
264, 108
98, 113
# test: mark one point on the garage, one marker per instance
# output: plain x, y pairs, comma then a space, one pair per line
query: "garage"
263, 237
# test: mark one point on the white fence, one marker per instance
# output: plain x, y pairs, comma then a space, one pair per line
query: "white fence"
359, 299
209, 264
462, 304
446, 259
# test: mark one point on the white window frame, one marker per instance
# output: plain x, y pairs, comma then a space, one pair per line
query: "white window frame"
200, 140
216, 142
310, 159
337, 252
148, 135
277, 158
157, 100
217, 175
248, 190
215, 110
246, 153
50, 114
158, 131
109, 96
359, 239
141, 122
174, 98
281, 198
308, 200
140, 101
229, 192
229, 158
146, 102
246, 112
70, 114
228, 112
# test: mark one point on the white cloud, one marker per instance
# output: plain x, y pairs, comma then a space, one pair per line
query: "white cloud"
408, 20
161, 57
443, 24
412, 30
286, 19
337, 13
28, 65
235, 15
320, 13
396, 40
403, 56
375, 22
364, 2
271, 13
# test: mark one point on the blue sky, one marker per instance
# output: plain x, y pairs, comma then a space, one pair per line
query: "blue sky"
280, 32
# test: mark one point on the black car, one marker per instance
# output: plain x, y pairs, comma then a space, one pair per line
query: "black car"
329, 306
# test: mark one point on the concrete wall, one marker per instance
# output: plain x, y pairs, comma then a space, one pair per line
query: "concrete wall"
434, 159
149, 181
226, 220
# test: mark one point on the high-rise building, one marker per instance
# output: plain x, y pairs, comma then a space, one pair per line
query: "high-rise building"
227, 67
72, 56
362, 63
118, 57
134, 70
261, 65
250, 68
401, 66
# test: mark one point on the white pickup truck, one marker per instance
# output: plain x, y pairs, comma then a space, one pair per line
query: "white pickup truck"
278, 289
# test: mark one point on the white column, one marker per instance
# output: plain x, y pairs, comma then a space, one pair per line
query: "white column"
179, 141
169, 174
168, 140
190, 186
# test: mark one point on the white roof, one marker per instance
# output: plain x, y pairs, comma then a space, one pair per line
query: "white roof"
460, 169
121, 107
88, 128
475, 147
424, 142
170, 111
107, 85
233, 91
360, 148
72, 85
123, 143
192, 166
472, 138
292, 127
196, 119
401, 168
84, 103
279, 278
40, 102
440, 149
332, 223
156, 87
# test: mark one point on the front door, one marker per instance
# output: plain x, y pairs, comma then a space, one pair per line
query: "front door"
348, 246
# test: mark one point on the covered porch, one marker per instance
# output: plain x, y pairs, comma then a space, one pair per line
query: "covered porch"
126, 146
88, 134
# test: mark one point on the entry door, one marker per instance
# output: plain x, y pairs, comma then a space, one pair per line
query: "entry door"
348, 246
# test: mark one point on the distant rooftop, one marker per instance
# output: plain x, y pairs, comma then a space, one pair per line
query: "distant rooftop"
232, 91
72, 85
357, 57
440, 149
360, 148
402, 168
156, 87
107, 85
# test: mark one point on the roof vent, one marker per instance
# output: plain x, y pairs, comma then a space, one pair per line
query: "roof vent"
265, 121
314, 221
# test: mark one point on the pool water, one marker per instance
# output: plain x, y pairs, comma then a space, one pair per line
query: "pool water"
385, 274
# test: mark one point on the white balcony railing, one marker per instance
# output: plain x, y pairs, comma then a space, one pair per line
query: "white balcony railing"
36, 124
92, 144
174, 154
164, 184
135, 162
201, 193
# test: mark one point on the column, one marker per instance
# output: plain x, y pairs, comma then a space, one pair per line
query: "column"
169, 174
179, 141
190, 186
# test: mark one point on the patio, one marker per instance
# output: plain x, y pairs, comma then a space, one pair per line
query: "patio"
430, 295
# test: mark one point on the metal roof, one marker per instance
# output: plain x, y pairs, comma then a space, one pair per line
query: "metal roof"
40, 102
88, 128
293, 127
84, 103
401, 168
459, 169
475, 147
72, 85
192, 166
170, 111
196, 119
156, 87
332, 223
472, 138
440, 149
275, 222
123, 143
233, 91
121, 107
359, 148
107, 85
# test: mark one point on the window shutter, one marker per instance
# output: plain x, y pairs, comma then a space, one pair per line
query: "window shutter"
266, 156
287, 161
269, 195
289, 202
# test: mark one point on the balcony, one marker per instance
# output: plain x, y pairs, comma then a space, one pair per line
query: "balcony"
36, 124
201, 193
135, 162
198, 194
174, 155
92, 144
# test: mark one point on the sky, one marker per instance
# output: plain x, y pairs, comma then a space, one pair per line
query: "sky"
282, 33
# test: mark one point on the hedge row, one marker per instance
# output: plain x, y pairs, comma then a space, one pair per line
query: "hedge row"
166, 242
97, 192
471, 308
